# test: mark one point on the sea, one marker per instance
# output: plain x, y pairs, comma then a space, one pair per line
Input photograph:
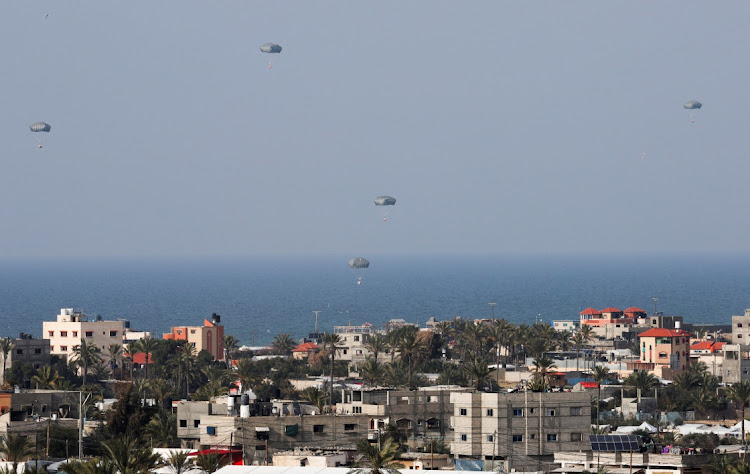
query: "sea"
260, 297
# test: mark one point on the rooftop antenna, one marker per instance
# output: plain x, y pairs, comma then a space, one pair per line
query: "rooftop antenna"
316, 320
492, 307
655, 299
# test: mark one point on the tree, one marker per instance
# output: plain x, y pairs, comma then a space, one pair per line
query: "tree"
331, 342
146, 346
542, 368
376, 344
580, 339
86, 354
283, 344
642, 380
212, 462
185, 359
231, 344
115, 353
410, 348
161, 430
129, 455
379, 458
371, 371
179, 462
46, 378
314, 396
6, 345
16, 448
477, 368
601, 375
740, 394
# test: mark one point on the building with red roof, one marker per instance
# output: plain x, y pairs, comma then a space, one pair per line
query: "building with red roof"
304, 350
209, 337
611, 315
665, 352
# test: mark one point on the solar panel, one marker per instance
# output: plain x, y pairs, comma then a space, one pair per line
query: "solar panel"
615, 443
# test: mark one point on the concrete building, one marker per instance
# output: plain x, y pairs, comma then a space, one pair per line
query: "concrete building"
741, 329
420, 414
519, 430
71, 326
310, 457
30, 411
594, 318
735, 366
209, 337
664, 352
565, 325
27, 350
576, 462
353, 343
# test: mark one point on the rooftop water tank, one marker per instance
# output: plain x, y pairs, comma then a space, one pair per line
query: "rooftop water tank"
244, 411
245, 399
215, 318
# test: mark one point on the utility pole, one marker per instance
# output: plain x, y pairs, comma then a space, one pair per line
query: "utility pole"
492, 307
655, 299
80, 425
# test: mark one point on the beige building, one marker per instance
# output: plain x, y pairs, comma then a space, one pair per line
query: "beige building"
664, 352
209, 337
517, 430
71, 326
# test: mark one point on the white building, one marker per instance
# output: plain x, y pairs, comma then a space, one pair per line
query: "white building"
71, 326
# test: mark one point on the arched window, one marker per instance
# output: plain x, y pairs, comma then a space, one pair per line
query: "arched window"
739, 325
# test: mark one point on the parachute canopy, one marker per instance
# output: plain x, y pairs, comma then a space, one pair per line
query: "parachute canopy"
359, 262
270, 48
693, 104
385, 201
40, 127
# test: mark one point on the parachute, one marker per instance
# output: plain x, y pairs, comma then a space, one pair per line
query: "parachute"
270, 48
40, 127
359, 265
692, 105
385, 201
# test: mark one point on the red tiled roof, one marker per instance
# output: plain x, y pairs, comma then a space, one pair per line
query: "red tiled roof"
707, 345
590, 311
306, 347
661, 332
589, 384
719, 345
140, 358
633, 309
611, 310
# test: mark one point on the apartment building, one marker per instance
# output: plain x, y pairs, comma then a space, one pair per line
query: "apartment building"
519, 430
26, 349
66, 332
665, 352
209, 337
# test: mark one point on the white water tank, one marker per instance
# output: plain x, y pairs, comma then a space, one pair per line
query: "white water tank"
230, 402
677, 324
244, 411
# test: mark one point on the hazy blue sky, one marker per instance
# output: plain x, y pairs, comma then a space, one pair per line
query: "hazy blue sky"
500, 127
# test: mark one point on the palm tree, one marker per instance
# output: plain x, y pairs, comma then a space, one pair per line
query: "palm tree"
314, 396
542, 368
186, 362
211, 462
601, 374
179, 462
146, 346
283, 344
477, 368
231, 344
642, 380
115, 353
16, 448
580, 339
331, 341
129, 455
740, 393
6, 345
371, 371
86, 354
93, 466
248, 374
410, 348
379, 458
376, 343
161, 430
46, 377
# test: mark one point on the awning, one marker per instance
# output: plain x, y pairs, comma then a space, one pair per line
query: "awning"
258, 429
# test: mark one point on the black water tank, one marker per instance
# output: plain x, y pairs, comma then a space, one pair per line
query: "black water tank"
126, 324
215, 318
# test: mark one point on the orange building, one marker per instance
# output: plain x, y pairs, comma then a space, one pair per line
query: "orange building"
667, 351
593, 317
209, 337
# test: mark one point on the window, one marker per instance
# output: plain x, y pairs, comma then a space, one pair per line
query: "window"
89, 333
551, 436
357, 410
192, 331
576, 436
549, 412
739, 336
112, 333
518, 438
518, 412
63, 333
318, 428
350, 427
179, 331
19, 351
63, 348
183, 423
490, 438
576, 411
532, 411
739, 325
462, 411
464, 437
51, 333
196, 423
489, 412
662, 355
37, 351
345, 351
75, 333
356, 338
